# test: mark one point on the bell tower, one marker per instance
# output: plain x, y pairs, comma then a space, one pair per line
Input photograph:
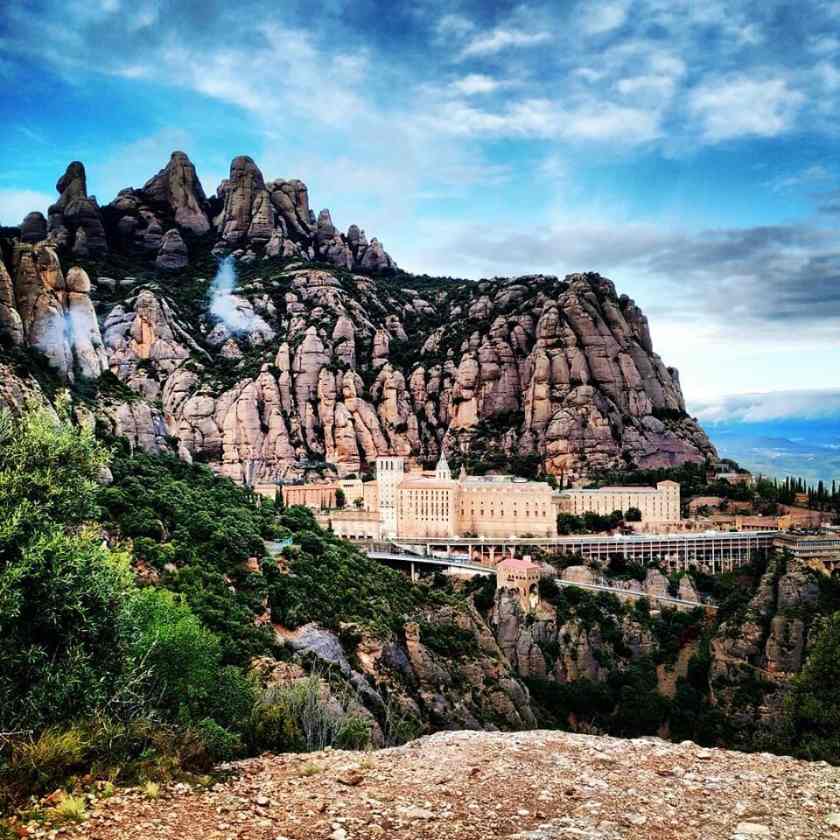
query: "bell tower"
442, 470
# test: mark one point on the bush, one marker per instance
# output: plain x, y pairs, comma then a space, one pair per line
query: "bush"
185, 680
813, 706
353, 733
43, 762
297, 717
221, 744
448, 639
60, 656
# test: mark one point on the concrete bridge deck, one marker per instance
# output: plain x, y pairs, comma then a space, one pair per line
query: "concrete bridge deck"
415, 560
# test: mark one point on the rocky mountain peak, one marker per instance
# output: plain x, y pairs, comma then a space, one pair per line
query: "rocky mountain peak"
286, 362
178, 187
75, 222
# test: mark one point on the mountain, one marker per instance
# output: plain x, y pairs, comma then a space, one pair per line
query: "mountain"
240, 330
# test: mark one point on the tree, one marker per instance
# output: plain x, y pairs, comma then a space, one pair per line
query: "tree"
358, 502
813, 706
633, 515
340, 498
49, 471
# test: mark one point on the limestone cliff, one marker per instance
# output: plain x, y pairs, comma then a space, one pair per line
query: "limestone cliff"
317, 349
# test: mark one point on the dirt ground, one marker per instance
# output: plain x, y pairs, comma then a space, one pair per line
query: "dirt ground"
465, 785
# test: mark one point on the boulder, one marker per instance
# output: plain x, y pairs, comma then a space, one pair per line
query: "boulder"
172, 255
33, 228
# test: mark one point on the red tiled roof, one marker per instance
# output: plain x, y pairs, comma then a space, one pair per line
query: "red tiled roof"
516, 563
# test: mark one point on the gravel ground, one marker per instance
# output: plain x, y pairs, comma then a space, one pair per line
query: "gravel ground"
532, 786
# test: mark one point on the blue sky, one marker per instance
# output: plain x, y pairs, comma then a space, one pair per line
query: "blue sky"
688, 150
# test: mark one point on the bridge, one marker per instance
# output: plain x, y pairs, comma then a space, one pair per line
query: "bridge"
393, 554
711, 551
416, 561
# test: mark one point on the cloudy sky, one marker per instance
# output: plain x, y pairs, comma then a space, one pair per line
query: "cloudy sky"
688, 150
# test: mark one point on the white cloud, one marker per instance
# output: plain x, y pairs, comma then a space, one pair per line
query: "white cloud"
547, 119
455, 26
743, 107
775, 405
811, 176
599, 18
15, 204
476, 83
489, 43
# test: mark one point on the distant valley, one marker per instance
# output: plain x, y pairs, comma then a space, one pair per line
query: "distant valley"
809, 448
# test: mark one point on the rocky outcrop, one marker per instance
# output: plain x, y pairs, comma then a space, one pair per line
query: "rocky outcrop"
177, 187
33, 228
406, 674
172, 254
56, 315
75, 222
275, 218
146, 343
247, 214
558, 370
755, 653
11, 326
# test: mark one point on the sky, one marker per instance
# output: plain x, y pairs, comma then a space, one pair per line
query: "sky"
687, 150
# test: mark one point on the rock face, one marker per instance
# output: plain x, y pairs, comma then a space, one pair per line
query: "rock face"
172, 254
276, 219
55, 313
156, 218
75, 222
767, 642
11, 325
177, 187
333, 363
33, 228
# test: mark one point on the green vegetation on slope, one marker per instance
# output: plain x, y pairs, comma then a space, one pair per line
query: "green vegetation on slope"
138, 676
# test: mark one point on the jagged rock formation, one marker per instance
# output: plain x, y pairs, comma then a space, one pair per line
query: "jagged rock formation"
275, 218
476, 689
11, 325
297, 363
75, 222
55, 313
756, 652
177, 187
154, 219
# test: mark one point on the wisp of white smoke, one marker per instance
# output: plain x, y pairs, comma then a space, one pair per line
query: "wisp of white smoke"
230, 309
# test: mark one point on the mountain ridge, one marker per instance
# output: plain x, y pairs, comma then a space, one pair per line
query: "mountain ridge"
315, 347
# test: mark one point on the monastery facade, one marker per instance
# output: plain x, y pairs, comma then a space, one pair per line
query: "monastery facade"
416, 504
660, 504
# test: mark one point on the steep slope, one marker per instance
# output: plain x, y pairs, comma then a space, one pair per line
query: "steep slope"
256, 338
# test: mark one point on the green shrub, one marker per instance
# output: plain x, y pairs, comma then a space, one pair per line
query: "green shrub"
185, 678
221, 744
47, 759
69, 809
59, 649
353, 733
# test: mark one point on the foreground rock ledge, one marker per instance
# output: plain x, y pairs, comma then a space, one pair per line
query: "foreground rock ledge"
532, 786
